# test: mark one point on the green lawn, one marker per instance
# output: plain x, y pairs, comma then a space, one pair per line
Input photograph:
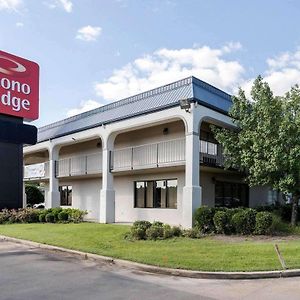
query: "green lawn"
206, 254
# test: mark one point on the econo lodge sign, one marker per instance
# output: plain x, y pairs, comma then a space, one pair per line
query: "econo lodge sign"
19, 87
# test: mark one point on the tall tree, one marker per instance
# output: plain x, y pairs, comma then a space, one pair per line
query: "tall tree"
266, 142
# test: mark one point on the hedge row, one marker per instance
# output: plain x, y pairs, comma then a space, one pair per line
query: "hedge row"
144, 230
233, 221
51, 215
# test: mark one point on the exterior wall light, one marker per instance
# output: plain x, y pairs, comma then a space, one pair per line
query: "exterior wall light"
185, 104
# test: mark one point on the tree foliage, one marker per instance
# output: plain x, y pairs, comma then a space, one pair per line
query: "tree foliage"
266, 142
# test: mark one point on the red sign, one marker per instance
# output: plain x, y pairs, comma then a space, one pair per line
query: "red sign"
19, 87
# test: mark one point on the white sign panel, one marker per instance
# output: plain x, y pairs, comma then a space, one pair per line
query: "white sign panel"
34, 171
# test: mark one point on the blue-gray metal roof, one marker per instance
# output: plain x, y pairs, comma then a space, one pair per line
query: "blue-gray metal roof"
157, 99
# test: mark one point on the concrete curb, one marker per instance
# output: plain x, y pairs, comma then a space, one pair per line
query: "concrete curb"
157, 270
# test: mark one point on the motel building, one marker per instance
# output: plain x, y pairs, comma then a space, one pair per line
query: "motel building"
150, 157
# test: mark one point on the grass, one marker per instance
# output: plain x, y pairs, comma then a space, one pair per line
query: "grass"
206, 254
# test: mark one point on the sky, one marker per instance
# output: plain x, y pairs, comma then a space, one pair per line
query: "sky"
93, 52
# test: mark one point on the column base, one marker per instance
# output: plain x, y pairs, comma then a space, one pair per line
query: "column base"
191, 200
107, 206
53, 200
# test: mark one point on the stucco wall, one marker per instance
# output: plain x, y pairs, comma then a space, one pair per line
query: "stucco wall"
124, 199
86, 195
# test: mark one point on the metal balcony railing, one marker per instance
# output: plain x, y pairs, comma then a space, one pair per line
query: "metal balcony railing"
79, 165
36, 171
211, 154
150, 155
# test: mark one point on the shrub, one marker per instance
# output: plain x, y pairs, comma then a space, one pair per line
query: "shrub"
55, 211
155, 231
138, 229
204, 219
42, 217
263, 223
167, 231
75, 215
50, 218
63, 216
33, 194
244, 221
193, 233
221, 222
176, 231
28, 215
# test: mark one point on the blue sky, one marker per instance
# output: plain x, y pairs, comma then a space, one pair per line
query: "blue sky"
94, 52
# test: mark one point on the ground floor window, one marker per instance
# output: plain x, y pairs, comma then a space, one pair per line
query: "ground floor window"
155, 194
65, 195
230, 194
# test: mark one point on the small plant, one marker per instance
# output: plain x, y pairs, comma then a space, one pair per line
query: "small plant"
204, 219
244, 221
176, 231
138, 229
221, 222
264, 221
42, 217
156, 231
50, 218
193, 233
63, 216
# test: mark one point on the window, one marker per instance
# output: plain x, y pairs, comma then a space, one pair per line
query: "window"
65, 195
155, 194
230, 194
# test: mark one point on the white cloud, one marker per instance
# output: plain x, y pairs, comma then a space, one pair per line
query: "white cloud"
167, 65
66, 5
83, 107
10, 5
88, 33
282, 73
19, 24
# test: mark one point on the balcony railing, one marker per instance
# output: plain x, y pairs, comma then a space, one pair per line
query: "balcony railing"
79, 165
211, 154
36, 171
148, 156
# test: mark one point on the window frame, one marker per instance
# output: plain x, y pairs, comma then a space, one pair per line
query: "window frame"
154, 194
69, 191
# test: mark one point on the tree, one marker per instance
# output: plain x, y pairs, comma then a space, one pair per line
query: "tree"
34, 195
266, 142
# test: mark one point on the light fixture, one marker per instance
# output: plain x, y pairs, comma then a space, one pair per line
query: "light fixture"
73, 139
165, 131
185, 104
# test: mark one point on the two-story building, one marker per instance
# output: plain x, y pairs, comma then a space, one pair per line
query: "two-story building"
151, 156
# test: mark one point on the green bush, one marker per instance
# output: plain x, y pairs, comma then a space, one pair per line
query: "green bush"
28, 215
244, 221
138, 230
264, 221
193, 233
55, 211
203, 218
176, 231
50, 218
42, 217
221, 222
167, 231
75, 215
155, 231
33, 194
63, 216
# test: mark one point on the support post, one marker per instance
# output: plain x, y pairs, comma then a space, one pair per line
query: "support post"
53, 199
192, 194
107, 195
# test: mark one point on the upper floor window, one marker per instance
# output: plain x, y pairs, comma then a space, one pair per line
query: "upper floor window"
155, 194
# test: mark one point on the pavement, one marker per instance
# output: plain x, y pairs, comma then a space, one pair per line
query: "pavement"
28, 272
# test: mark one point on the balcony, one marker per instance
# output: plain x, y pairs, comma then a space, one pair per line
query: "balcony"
149, 156
79, 165
36, 171
163, 154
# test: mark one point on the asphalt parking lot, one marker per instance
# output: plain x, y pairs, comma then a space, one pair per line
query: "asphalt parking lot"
32, 273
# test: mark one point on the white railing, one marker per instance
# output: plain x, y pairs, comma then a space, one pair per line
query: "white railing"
79, 165
36, 171
150, 155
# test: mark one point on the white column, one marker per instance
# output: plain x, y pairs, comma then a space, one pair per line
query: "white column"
192, 194
24, 195
107, 195
53, 199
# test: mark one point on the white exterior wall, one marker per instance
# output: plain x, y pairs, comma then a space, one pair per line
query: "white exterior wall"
86, 195
124, 199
